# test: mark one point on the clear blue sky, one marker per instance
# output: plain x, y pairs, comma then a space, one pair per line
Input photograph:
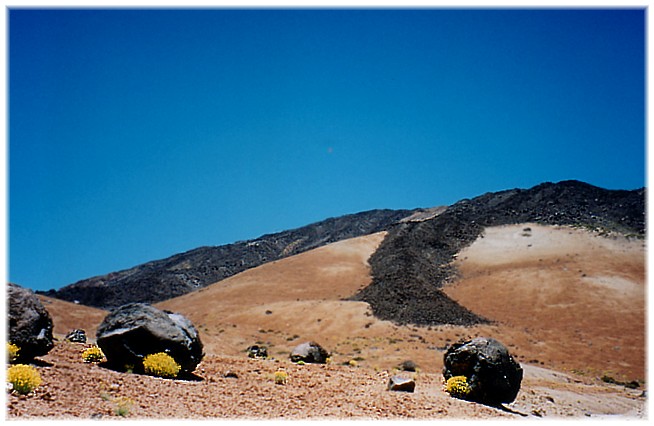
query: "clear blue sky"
138, 134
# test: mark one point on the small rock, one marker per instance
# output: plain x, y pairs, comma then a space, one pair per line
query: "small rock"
401, 384
256, 351
230, 375
309, 352
408, 365
76, 336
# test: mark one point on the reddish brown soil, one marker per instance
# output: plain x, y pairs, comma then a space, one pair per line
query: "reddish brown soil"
566, 329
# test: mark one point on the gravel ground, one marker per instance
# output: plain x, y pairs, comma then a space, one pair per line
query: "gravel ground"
73, 389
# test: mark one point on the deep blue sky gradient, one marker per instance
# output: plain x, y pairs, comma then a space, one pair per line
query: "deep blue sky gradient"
138, 134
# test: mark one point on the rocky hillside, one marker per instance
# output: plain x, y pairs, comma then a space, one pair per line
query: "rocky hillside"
182, 273
409, 267
415, 259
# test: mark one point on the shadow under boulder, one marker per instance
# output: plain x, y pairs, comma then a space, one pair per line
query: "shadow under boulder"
133, 331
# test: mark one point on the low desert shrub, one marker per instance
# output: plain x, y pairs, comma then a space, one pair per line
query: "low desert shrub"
457, 387
93, 355
281, 377
12, 352
123, 405
161, 365
23, 378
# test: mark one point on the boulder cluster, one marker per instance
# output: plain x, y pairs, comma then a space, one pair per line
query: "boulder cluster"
126, 336
129, 334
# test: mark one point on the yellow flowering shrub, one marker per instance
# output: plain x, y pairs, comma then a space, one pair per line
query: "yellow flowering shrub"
161, 365
12, 352
457, 386
93, 354
281, 377
23, 378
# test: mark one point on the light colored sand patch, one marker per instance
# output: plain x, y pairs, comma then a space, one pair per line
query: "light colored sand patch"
514, 243
622, 286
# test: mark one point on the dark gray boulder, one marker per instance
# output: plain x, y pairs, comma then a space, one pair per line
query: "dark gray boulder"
309, 352
76, 336
493, 375
30, 324
401, 384
136, 330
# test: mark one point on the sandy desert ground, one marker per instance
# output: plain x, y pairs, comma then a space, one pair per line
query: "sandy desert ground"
569, 304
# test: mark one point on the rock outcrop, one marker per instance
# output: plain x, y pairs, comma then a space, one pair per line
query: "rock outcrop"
30, 324
493, 376
135, 330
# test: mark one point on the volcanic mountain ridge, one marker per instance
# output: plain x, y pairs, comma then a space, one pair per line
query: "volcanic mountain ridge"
185, 272
408, 269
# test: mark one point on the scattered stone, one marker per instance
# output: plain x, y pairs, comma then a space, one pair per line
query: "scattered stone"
135, 330
309, 352
408, 365
401, 384
493, 375
30, 324
256, 351
76, 336
230, 375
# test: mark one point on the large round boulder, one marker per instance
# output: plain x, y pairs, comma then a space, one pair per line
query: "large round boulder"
136, 330
309, 352
492, 374
30, 324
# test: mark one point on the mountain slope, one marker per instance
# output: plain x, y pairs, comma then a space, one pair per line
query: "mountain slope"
179, 274
415, 259
566, 299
